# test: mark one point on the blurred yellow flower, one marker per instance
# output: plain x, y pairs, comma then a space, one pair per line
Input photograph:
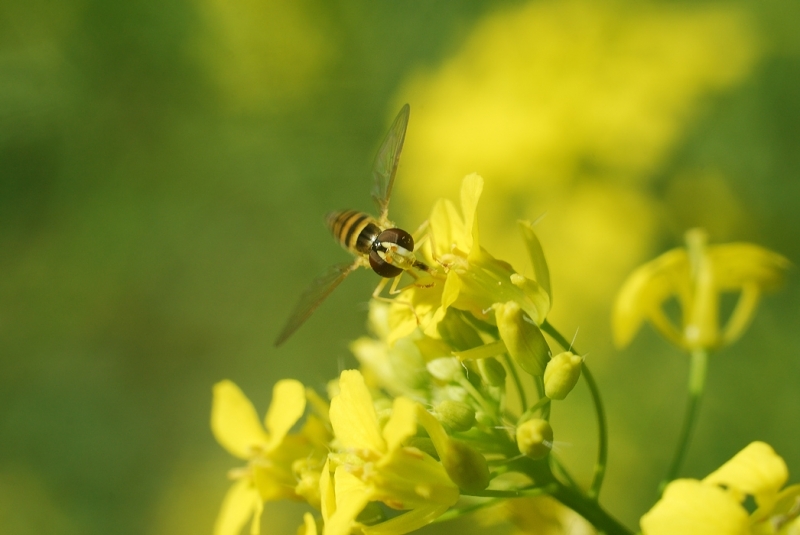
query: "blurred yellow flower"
277, 460
570, 108
696, 277
714, 505
372, 464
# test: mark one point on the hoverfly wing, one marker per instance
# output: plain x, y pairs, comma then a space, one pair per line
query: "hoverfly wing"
386, 162
314, 295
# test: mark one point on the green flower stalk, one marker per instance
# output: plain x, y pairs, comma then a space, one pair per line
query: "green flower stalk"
696, 277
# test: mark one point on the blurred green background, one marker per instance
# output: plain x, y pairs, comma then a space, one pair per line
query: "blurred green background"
164, 170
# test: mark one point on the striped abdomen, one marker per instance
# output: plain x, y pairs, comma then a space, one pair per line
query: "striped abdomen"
354, 230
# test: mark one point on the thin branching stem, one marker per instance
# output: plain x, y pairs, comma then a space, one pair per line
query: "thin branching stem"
602, 425
517, 382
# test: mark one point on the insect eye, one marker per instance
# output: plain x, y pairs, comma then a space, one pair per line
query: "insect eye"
397, 236
376, 261
381, 266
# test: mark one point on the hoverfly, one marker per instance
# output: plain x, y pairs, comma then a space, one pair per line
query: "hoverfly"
375, 243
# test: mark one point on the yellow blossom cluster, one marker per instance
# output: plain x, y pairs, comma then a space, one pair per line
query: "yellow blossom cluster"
426, 430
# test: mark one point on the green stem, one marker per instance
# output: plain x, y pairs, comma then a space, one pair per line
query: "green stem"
602, 431
602, 425
512, 369
538, 380
589, 509
461, 511
528, 414
561, 469
517, 493
573, 498
697, 379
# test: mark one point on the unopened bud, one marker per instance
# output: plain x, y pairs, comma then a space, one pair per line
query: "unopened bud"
535, 438
492, 372
523, 339
445, 369
466, 467
562, 374
457, 333
456, 415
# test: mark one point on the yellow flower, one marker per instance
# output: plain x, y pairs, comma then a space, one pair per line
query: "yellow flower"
372, 464
696, 277
278, 463
714, 505
398, 367
475, 281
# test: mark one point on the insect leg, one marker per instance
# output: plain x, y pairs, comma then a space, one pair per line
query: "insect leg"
394, 291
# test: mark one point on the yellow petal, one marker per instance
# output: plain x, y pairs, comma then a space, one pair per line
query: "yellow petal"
402, 424
452, 287
352, 495
736, 264
645, 290
780, 512
434, 428
756, 470
288, 405
353, 416
742, 313
402, 321
318, 404
237, 508
274, 481
234, 421
540, 270
447, 228
309, 525
255, 526
471, 189
689, 507
326, 492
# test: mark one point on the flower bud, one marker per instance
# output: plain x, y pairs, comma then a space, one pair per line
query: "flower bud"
445, 369
535, 438
492, 372
523, 339
562, 374
456, 415
457, 333
466, 467
424, 444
